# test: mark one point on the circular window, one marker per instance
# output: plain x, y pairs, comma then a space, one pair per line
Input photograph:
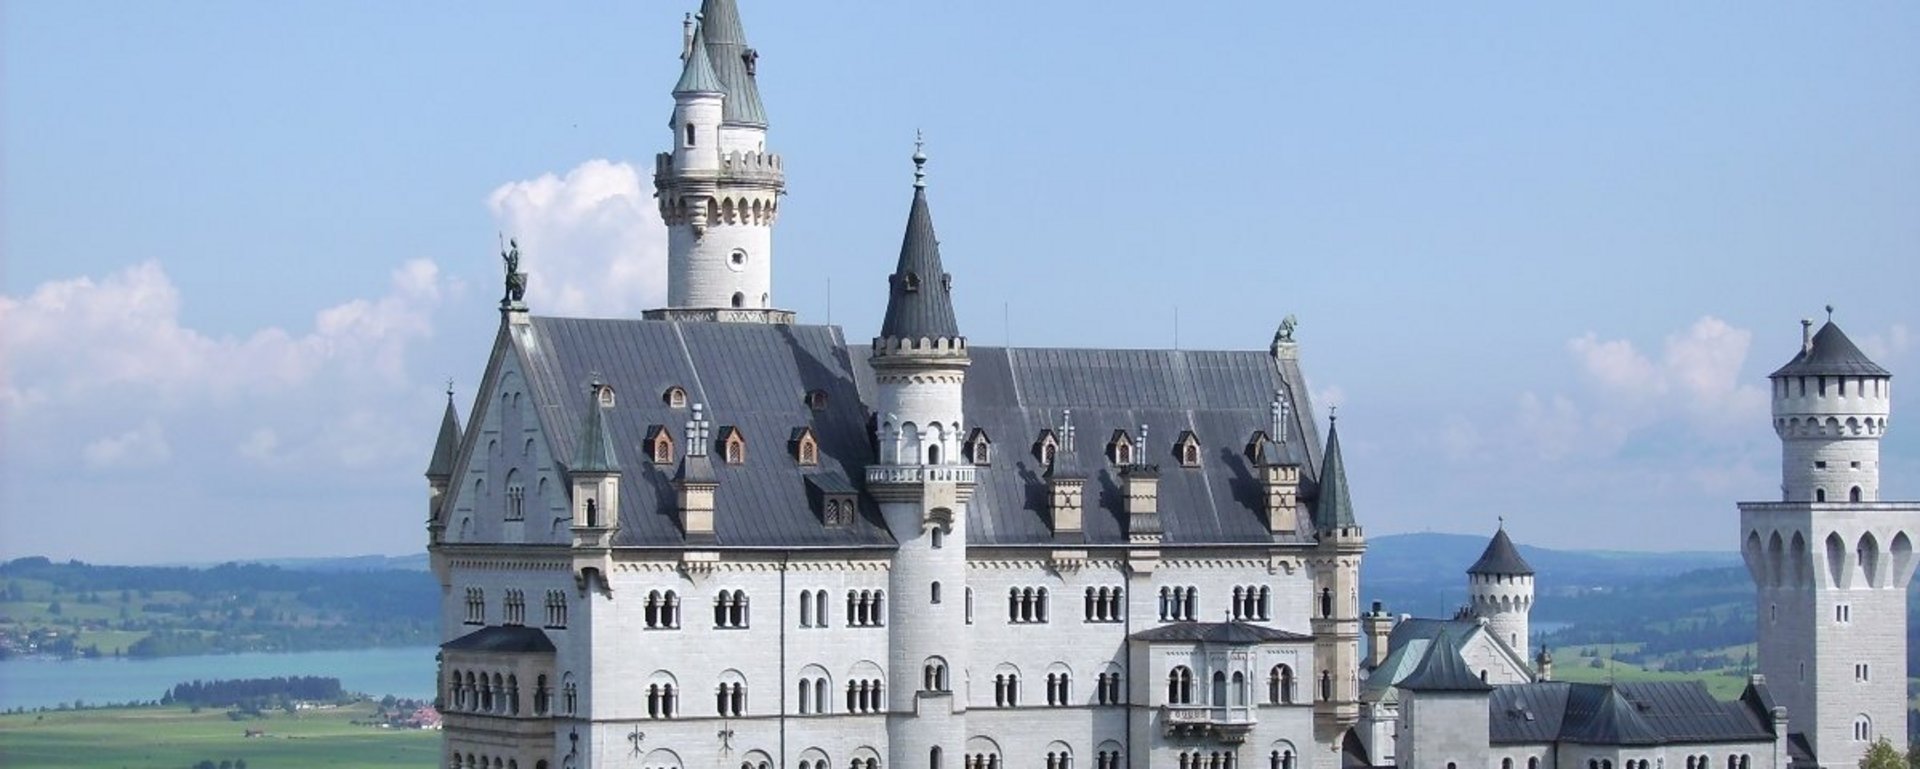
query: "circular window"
737, 260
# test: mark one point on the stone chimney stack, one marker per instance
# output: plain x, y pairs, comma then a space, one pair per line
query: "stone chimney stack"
1379, 625
1142, 488
695, 483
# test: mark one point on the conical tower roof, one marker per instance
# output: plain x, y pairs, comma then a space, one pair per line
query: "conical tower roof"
729, 55
919, 292
1831, 354
697, 76
447, 445
1501, 558
1333, 509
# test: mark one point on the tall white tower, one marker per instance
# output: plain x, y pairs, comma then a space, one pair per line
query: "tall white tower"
919, 364
719, 188
1831, 561
1500, 586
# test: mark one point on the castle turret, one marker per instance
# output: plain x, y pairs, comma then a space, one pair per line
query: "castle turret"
1336, 619
1500, 586
594, 477
919, 364
1830, 561
719, 188
1830, 405
440, 467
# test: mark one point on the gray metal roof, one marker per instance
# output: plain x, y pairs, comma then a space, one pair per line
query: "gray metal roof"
1236, 633
499, 638
1621, 714
756, 377
1333, 508
750, 375
697, 76
1832, 354
447, 446
1501, 558
919, 292
728, 53
1442, 670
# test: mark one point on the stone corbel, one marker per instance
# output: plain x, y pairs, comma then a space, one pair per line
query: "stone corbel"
697, 565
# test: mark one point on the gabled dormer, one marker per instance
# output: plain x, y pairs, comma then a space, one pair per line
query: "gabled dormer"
1045, 447
660, 444
978, 448
1186, 449
733, 445
1120, 448
803, 446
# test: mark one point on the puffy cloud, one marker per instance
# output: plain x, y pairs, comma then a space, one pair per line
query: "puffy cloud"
592, 242
143, 446
1887, 346
1698, 377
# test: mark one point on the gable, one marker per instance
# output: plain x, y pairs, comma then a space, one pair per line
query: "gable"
506, 487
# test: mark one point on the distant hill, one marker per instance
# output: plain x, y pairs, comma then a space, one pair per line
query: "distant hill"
350, 563
1426, 574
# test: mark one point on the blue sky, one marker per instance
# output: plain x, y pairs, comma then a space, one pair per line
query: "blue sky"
1543, 256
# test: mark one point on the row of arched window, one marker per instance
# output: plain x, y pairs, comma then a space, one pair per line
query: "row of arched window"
496, 694
514, 607
1216, 759
730, 609
484, 761
663, 701
1059, 689
514, 611
662, 609
731, 699
1006, 690
1252, 602
1228, 689
866, 608
1179, 603
476, 606
864, 697
1026, 605
1103, 604
813, 696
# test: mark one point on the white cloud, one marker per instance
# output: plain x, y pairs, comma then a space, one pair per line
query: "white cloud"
591, 242
144, 446
1697, 378
1888, 346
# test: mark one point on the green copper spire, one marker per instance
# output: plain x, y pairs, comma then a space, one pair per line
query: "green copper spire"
593, 452
444, 449
697, 76
1334, 507
734, 63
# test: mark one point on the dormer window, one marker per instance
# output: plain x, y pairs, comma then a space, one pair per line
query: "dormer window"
660, 444
817, 400
675, 397
1044, 448
806, 450
839, 510
1187, 448
1254, 443
910, 283
835, 496
733, 445
979, 450
603, 394
1120, 448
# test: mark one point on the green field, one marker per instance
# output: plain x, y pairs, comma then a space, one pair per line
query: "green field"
176, 737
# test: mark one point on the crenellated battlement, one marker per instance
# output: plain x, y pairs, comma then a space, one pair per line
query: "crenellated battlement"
742, 167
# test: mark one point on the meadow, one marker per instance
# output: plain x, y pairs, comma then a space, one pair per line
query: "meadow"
178, 737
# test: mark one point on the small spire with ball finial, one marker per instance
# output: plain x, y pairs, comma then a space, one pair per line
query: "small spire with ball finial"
919, 160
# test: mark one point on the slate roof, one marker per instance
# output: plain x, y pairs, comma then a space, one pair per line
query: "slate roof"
1501, 558
755, 376
1442, 670
1333, 508
1832, 354
1407, 646
727, 51
697, 76
1622, 714
1236, 633
447, 447
499, 638
919, 292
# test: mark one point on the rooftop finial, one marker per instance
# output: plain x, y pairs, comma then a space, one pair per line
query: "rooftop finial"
449, 389
697, 431
1503, 522
1829, 313
1279, 418
919, 160
1066, 427
1333, 414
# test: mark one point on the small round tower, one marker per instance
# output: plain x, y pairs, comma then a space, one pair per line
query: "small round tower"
1830, 407
1500, 585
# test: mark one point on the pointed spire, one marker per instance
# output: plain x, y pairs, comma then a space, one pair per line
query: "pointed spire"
697, 76
1333, 509
733, 62
444, 448
919, 293
593, 452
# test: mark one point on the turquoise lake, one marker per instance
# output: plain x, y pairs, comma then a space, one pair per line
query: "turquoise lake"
43, 682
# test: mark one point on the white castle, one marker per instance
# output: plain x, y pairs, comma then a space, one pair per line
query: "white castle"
752, 544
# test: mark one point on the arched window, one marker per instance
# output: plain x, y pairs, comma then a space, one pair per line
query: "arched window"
1180, 686
689, 134
1854, 494
1326, 685
933, 757
1219, 689
1280, 685
806, 608
1819, 495
936, 592
739, 300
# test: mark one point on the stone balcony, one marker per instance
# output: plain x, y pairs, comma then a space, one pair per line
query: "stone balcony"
919, 474
1226, 724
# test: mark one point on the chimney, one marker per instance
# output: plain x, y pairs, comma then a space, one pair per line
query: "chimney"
1379, 625
1543, 664
1065, 484
686, 37
694, 483
1806, 335
1142, 487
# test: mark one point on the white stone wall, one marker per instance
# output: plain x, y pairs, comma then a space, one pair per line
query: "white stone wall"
1830, 442
912, 417
1442, 728
1505, 602
510, 449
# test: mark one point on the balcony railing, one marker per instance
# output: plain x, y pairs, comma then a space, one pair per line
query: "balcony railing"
909, 474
